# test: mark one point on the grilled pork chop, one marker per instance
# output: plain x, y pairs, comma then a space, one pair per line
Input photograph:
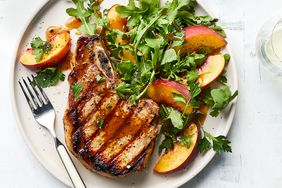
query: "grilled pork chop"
108, 135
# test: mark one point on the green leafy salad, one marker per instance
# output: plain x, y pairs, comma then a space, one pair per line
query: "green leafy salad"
166, 53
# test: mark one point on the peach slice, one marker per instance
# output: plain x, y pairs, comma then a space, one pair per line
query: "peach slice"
73, 23
60, 43
180, 156
129, 56
117, 22
163, 91
211, 70
201, 36
204, 110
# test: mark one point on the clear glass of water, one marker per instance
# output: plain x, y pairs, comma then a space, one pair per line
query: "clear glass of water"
269, 45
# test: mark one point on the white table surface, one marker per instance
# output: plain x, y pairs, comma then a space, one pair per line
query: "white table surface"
256, 133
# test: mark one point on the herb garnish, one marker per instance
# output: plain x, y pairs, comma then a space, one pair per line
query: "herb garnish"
100, 123
99, 79
218, 99
219, 144
227, 58
166, 144
76, 89
186, 141
48, 77
88, 15
40, 47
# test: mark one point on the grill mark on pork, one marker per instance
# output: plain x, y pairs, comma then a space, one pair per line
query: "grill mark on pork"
84, 152
139, 121
125, 142
89, 124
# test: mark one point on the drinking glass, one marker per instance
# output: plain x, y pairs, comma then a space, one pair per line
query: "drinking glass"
269, 45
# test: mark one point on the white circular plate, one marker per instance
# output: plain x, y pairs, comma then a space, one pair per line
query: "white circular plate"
40, 141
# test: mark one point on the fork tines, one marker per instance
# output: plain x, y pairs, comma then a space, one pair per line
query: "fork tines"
34, 95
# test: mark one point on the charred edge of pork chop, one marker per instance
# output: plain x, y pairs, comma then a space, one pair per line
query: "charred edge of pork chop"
83, 137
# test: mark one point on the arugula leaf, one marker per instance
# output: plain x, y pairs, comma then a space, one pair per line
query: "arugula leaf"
176, 118
125, 70
178, 97
178, 38
169, 56
130, 10
133, 99
82, 13
100, 123
218, 99
194, 103
142, 31
192, 76
174, 7
89, 15
150, 3
166, 144
171, 70
124, 89
40, 48
48, 77
219, 144
155, 43
76, 89
195, 89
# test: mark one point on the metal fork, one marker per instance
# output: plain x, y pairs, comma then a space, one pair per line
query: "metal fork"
44, 114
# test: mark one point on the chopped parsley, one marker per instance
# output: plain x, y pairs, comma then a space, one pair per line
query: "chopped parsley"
76, 89
99, 79
219, 144
48, 77
227, 58
186, 141
166, 144
100, 123
40, 48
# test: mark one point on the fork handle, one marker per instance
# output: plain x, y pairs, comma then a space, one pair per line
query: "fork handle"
69, 166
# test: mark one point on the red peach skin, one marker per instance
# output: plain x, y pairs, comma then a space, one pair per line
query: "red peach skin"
180, 156
162, 91
198, 36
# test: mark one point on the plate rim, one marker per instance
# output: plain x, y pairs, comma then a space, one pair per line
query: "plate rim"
210, 154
